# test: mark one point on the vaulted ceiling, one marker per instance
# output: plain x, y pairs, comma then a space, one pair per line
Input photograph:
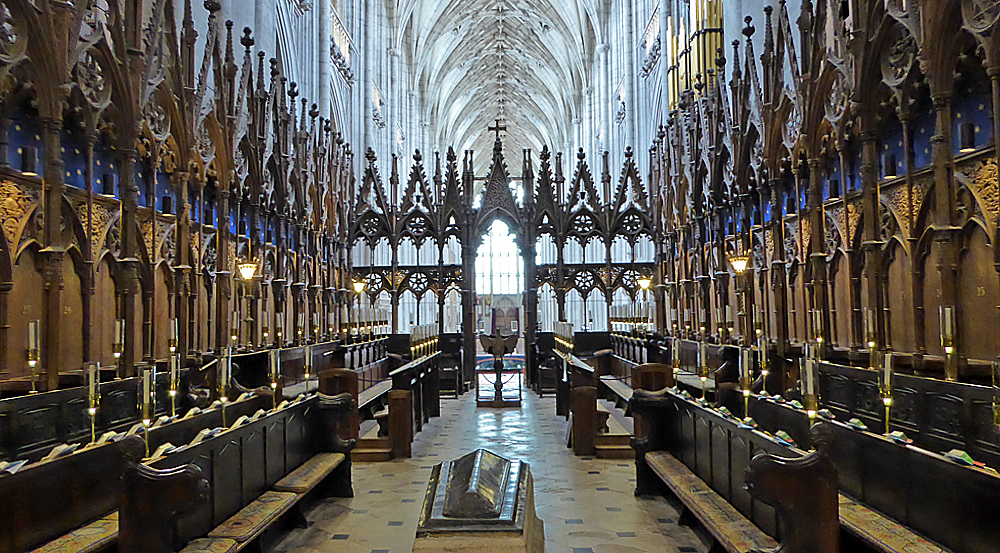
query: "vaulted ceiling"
522, 61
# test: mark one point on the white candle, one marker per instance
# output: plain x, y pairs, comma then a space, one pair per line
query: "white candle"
275, 365
174, 371
92, 381
147, 389
887, 371
746, 365
809, 387
174, 333
703, 354
33, 335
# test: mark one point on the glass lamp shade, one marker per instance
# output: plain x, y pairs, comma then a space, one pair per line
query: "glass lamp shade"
247, 270
740, 263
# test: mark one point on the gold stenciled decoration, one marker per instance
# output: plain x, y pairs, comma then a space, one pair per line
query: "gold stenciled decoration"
16, 202
984, 181
853, 217
147, 236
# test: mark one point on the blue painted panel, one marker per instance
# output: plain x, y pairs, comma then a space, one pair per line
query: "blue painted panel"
974, 108
923, 130
25, 132
163, 188
74, 159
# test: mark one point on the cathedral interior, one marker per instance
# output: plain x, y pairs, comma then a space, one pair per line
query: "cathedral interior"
581, 276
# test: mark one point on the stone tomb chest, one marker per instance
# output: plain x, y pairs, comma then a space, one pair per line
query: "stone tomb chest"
480, 502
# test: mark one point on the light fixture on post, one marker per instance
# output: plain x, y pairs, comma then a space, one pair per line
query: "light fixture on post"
740, 263
247, 270
359, 286
644, 283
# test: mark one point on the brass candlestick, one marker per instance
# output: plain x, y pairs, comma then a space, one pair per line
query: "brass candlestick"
947, 314
34, 351
885, 386
147, 391
996, 391
93, 395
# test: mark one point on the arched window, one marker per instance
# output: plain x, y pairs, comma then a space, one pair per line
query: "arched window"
499, 267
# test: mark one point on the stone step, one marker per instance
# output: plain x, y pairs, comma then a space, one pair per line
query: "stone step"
614, 452
374, 443
614, 439
371, 455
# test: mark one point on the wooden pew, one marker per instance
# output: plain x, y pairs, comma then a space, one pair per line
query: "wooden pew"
918, 492
66, 504
574, 372
804, 492
256, 473
420, 378
30, 425
669, 458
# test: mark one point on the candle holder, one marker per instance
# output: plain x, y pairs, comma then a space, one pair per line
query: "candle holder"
174, 383
807, 378
147, 391
885, 386
174, 333
119, 344
746, 371
275, 375
947, 315
93, 375
225, 368
308, 367
703, 368
34, 352
995, 372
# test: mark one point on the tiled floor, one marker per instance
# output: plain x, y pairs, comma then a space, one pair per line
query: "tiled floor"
587, 505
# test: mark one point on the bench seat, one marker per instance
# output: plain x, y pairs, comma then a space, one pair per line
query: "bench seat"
255, 517
617, 387
880, 532
311, 473
211, 545
732, 530
95, 536
372, 394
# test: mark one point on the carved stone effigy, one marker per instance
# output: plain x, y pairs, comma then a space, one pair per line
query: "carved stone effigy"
480, 502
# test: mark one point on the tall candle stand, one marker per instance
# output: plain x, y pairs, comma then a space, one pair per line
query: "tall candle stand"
308, 368
93, 374
275, 375
807, 379
995, 373
675, 354
147, 384
174, 367
225, 368
746, 370
947, 314
885, 386
119, 345
703, 367
762, 346
34, 352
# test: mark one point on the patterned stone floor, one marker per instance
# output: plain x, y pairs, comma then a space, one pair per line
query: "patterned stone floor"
587, 505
